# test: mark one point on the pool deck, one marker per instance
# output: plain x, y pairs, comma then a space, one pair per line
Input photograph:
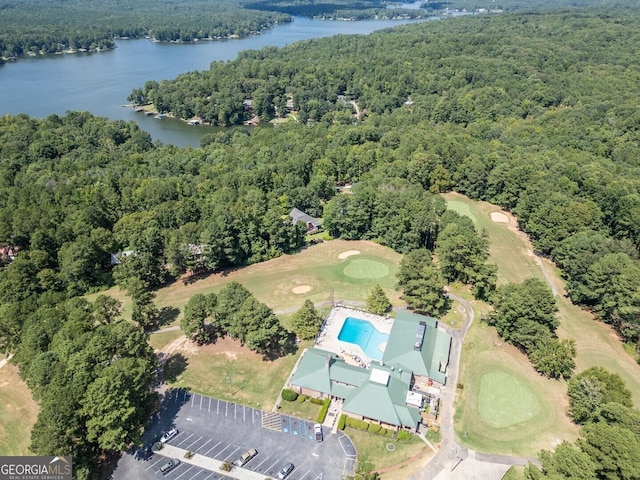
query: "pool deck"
350, 352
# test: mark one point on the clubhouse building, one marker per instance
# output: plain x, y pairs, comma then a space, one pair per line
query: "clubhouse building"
385, 382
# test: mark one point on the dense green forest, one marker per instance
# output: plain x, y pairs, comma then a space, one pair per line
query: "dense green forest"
42, 26
535, 112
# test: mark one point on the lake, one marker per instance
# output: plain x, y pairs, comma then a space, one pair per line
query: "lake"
100, 82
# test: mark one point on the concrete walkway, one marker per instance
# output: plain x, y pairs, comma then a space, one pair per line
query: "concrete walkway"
208, 463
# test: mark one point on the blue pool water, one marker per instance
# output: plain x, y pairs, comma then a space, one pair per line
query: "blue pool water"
365, 335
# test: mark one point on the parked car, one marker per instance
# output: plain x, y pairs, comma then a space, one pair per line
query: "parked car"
169, 465
168, 435
317, 429
245, 457
286, 470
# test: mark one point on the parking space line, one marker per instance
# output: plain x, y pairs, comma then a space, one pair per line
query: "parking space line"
185, 440
231, 454
218, 407
196, 450
235, 410
210, 475
244, 413
154, 464
201, 470
184, 472
193, 397
260, 464
187, 447
200, 402
273, 465
212, 448
220, 452
226, 408
209, 409
308, 472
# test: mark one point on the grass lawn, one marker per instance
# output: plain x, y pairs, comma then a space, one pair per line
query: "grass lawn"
160, 340
230, 371
597, 344
273, 282
18, 413
373, 452
307, 410
505, 406
514, 473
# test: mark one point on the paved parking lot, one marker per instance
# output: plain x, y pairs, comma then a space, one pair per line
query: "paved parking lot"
225, 430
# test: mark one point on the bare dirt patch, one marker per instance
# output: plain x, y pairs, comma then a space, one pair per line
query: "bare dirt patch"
499, 217
301, 289
348, 253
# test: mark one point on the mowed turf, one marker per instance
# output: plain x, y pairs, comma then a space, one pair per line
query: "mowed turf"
506, 400
18, 413
504, 405
317, 266
484, 352
230, 371
597, 344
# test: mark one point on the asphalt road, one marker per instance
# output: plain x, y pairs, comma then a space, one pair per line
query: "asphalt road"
225, 430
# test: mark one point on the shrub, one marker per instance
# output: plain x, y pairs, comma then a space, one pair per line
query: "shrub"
342, 422
373, 428
317, 401
289, 395
159, 445
404, 435
188, 454
302, 398
323, 411
226, 466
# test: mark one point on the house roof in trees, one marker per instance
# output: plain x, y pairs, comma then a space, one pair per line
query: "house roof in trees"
299, 216
116, 257
415, 343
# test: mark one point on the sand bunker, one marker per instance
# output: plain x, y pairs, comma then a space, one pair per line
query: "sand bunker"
348, 253
499, 217
301, 289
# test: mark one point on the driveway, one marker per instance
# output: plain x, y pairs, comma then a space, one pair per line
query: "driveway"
224, 431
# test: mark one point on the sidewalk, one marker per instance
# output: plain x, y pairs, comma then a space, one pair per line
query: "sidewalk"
208, 463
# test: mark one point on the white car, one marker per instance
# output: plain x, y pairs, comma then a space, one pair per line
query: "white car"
317, 430
166, 436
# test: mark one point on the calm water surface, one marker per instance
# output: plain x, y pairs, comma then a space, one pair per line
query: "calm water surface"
100, 83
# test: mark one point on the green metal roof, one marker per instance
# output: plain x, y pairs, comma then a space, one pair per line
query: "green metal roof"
312, 371
434, 351
386, 403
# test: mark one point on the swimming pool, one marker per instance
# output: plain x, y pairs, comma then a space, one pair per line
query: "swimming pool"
364, 334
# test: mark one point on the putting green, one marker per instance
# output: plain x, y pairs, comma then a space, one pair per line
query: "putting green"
462, 209
506, 400
362, 268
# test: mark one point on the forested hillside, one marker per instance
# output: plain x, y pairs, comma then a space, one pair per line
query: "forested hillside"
40, 26
536, 113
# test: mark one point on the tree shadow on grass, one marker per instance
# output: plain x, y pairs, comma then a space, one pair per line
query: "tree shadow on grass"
167, 315
289, 347
175, 365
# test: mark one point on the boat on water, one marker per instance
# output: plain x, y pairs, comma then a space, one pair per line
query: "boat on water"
160, 116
